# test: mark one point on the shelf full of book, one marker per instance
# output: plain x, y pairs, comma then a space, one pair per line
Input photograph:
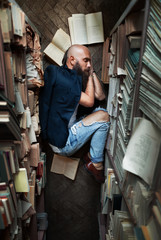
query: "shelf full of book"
22, 163
133, 145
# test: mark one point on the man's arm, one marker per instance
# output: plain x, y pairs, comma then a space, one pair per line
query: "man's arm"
99, 93
87, 97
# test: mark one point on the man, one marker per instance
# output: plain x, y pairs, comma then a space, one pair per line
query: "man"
59, 99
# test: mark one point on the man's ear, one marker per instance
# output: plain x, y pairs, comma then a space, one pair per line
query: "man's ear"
72, 61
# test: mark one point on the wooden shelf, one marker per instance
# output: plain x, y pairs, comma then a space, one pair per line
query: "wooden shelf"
133, 5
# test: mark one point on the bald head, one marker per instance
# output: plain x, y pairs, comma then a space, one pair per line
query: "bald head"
79, 55
76, 50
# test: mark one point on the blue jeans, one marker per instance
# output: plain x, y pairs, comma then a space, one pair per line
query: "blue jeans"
79, 134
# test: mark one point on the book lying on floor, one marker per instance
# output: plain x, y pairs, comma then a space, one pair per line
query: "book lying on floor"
65, 165
86, 29
58, 46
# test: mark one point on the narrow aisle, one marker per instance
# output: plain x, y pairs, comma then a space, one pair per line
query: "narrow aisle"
72, 206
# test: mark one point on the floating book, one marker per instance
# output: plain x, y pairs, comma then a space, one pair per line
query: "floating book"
58, 46
86, 29
65, 165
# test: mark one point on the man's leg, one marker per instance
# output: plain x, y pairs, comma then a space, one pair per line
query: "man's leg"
98, 116
95, 127
83, 130
98, 138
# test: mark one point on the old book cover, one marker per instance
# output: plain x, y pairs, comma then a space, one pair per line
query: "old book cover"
25, 146
13, 193
5, 192
135, 41
21, 181
121, 47
32, 196
158, 195
3, 214
134, 22
157, 213
150, 231
2, 224
9, 128
9, 76
34, 155
105, 62
5, 172
6, 205
5, 24
17, 20
139, 233
31, 101
3, 86
65, 165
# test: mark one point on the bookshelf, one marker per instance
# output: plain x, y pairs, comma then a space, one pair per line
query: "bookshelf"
22, 162
133, 103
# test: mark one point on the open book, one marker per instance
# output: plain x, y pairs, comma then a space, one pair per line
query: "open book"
86, 29
65, 165
58, 46
143, 149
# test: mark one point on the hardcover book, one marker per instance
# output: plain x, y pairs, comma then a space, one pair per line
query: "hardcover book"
58, 46
90, 28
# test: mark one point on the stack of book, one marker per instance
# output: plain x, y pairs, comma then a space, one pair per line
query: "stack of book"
22, 164
142, 199
150, 88
34, 69
110, 194
8, 207
122, 227
9, 123
125, 116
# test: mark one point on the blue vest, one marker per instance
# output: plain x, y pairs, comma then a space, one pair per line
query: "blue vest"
57, 102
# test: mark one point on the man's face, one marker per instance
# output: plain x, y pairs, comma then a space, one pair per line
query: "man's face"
80, 71
83, 63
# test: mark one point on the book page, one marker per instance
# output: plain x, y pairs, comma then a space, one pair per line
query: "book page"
94, 25
143, 149
62, 40
71, 167
54, 53
79, 28
65, 165
71, 30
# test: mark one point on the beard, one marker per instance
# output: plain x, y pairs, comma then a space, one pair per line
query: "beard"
85, 74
